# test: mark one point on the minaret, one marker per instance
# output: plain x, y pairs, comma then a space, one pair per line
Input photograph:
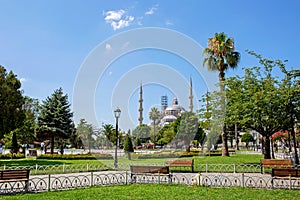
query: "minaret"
191, 95
141, 106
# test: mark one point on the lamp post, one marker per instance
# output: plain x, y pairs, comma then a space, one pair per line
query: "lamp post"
117, 116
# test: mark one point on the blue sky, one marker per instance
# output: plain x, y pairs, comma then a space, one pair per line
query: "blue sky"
47, 43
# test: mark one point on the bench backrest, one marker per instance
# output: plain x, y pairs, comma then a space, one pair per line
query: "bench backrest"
149, 169
180, 162
283, 172
276, 162
14, 174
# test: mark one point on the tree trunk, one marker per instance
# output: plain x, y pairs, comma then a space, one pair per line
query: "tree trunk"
267, 150
129, 155
52, 144
224, 142
272, 145
223, 102
15, 148
289, 142
294, 141
236, 137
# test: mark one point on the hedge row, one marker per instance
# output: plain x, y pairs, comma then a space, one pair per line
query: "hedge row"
76, 157
12, 156
176, 155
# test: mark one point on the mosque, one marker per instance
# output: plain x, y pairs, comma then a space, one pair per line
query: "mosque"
168, 114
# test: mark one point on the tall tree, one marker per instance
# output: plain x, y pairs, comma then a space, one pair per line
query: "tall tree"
290, 90
188, 128
142, 132
11, 101
85, 132
110, 133
128, 146
154, 115
55, 119
219, 56
268, 105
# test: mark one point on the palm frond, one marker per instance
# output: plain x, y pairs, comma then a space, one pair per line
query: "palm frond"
233, 59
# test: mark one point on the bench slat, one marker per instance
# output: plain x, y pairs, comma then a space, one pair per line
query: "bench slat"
14, 174
149, 169
285, 172
181, 163
276, 163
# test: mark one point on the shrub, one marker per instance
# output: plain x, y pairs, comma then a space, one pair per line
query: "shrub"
12, 156
76, 157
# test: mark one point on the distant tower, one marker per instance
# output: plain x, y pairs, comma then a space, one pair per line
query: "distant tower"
141, 105
191, 95
164, 103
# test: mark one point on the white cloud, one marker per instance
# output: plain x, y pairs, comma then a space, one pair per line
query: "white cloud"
152, 10
114, 15
23, 80
122, 23
118, 19
168, 23
108, 46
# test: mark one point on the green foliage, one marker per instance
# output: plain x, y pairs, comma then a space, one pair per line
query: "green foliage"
247, 137
142, 132
165, 134
12, 156
11, 105
128, 147
137, 142
110, 133
55, 119
154, 116
76, 157
85, 133
260, 101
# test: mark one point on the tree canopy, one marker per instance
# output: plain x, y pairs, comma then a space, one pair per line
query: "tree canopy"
55, 119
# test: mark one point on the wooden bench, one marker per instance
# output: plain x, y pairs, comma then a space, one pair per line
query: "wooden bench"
285, 172
7, 176
275, 163
181, 163
231, 151
54, 153
149, 171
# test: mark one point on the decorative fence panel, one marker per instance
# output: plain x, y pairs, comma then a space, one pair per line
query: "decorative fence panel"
92, 167
43, 183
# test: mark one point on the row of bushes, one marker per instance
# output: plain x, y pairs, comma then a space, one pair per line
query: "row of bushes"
12, 156
176, 155
76, 157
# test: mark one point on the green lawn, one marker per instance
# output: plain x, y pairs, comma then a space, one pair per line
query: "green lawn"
82, 165
233, 159
161, 192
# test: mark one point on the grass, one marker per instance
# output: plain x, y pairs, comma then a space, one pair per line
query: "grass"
124, 162
233, 159
144, 191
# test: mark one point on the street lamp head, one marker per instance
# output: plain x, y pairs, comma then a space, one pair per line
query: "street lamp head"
117, 113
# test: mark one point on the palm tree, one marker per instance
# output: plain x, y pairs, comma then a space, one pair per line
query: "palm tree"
154, 115
219, 56
108, 131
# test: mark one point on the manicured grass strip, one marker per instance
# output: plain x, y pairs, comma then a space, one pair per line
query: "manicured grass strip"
161, 192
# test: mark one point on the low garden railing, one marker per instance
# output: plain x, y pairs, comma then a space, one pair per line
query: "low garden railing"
43, 183
92, 167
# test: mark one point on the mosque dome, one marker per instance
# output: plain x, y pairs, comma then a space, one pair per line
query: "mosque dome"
174, 109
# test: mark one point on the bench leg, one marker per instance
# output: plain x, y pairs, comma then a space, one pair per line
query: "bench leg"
26, 185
